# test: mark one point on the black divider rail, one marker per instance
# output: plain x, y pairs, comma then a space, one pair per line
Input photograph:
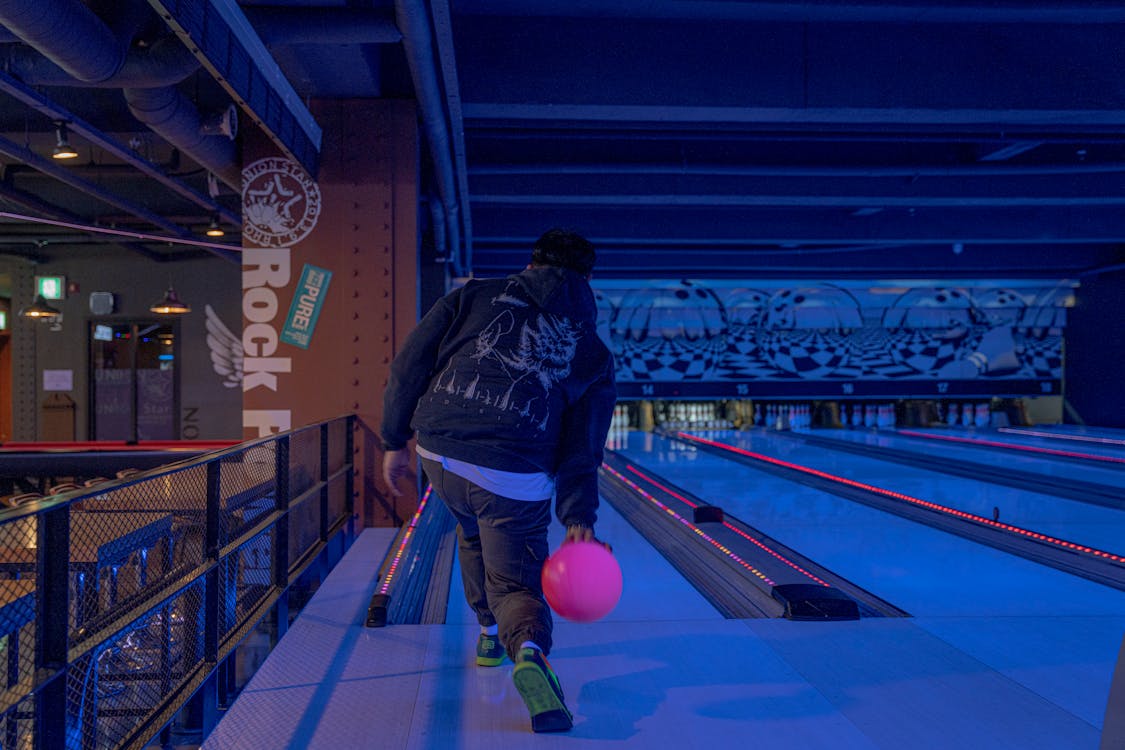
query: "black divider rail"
742, 571
121, 601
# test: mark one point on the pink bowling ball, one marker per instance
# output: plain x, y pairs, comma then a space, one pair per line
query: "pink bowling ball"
582, 581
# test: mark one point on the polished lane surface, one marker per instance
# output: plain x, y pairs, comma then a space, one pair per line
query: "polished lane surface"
1083, 523
1055, 632
916, 567
664, 670
1109, 474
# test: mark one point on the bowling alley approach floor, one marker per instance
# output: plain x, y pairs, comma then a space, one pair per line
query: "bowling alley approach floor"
666, 670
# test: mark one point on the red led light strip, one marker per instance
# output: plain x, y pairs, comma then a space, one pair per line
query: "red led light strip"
1060, 436
632, 485
1010, 446
655, 483
777, 555
913, 500
386, 585
733, 528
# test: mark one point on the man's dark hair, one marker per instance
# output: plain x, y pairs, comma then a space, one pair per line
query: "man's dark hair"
565, 249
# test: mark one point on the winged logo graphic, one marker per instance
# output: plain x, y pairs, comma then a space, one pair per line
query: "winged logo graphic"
226, 350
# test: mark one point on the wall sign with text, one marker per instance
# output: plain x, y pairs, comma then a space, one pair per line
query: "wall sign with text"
305, 307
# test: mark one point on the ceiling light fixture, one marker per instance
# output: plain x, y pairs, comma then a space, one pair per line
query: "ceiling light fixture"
40, 310
63, 149
170, 304
215, 230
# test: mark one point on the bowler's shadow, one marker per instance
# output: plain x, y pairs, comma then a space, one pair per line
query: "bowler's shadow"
613, 707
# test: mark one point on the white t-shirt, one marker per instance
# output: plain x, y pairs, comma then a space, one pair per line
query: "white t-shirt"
516, 485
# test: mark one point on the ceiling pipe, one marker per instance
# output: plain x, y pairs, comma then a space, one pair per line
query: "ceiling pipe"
77, 125
165, 63
14, 150
68, 34
43, 240
447, 61
97, 56
848, 11
413, 21
42, 208
231, 252
171, 115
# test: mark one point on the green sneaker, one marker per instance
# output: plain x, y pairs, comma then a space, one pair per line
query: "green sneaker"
540, 690
489, 651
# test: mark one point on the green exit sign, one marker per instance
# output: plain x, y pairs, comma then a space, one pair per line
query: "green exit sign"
3, 320
51, 287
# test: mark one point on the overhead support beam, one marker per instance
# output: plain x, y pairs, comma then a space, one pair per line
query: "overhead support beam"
898, 11
46, 210
800, 190
27, 156
1076, 224
78, 126
479, 113
793, 170
857, 262
711, 72
224, 41
756, 200
285, 25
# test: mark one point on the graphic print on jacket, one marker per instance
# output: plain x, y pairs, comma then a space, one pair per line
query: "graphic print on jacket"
514, 350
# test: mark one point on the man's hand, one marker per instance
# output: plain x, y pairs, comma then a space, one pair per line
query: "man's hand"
395, 466
579, 534
583, 534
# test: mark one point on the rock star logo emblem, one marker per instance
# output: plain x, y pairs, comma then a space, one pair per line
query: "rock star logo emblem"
280, 203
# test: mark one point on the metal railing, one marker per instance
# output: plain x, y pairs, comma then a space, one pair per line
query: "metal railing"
121, 600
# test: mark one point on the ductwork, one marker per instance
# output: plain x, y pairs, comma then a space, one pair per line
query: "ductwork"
169, 113
90, 52
68, 34
165, 63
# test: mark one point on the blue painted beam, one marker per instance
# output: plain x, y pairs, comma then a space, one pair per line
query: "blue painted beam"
219, 34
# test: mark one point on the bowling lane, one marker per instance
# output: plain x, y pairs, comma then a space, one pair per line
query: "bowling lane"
1112, 475
1106, 454
1092, 525
915, 567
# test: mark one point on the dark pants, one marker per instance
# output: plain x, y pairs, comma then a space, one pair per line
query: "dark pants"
501, 545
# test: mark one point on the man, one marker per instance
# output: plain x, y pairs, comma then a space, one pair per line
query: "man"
511, 393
